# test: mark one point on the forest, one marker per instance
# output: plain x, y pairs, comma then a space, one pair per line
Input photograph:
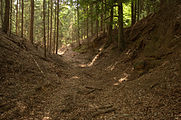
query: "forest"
90, 59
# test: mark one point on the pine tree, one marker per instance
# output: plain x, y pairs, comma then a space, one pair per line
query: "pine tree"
57, 26
31, 22
44, 27
121, 44
22, 2
6, 16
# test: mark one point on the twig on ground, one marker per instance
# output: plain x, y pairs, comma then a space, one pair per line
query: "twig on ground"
37, 65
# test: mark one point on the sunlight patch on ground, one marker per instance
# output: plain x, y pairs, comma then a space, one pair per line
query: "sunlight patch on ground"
122, 79
111, 67
63, 49
94, 59
75, 77
62, 52
92, 62
46, 118
128, 52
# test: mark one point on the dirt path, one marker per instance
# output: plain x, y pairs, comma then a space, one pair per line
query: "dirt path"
67, 88
81, 95
92, 93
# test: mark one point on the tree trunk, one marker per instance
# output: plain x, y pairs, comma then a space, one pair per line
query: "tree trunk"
55, 22
22, 2
132, 13
97, 20
87, 24
6, 16
105, 16
32, 21
2, 13
138, 17
91, 13
110, 24
121, 43
51, 26
10, 28
19, 18
57, 27
17, 22
44, 27
102, 8
48, 29
135, 10
78, 31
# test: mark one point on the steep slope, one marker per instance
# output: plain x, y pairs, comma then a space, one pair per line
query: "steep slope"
26, 78
146, 76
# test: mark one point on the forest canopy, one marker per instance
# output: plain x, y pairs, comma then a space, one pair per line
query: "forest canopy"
53, 23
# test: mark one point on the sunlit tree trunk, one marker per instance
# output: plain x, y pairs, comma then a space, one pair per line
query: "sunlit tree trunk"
19, 18
22, 2
57, 27
31, 21
44, 27
48, 29
17, 22
6, 16
51, 22
10, 25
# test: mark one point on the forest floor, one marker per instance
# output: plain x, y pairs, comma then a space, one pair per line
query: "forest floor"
140, 83
73, 87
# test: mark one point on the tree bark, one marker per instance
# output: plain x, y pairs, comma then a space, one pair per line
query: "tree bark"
48, 29
138, 15
132, 13
97, 20
102, 7
135, 10
121, 43
91, 13
22, 2
6, 16
78, 31
44, 27
17, 22
11, 13
2, 13
110, 24
55, 22
57, 27
105, 15
87, 24
32, 22
51, 25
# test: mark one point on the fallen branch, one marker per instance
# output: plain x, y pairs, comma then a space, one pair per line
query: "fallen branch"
37, 65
